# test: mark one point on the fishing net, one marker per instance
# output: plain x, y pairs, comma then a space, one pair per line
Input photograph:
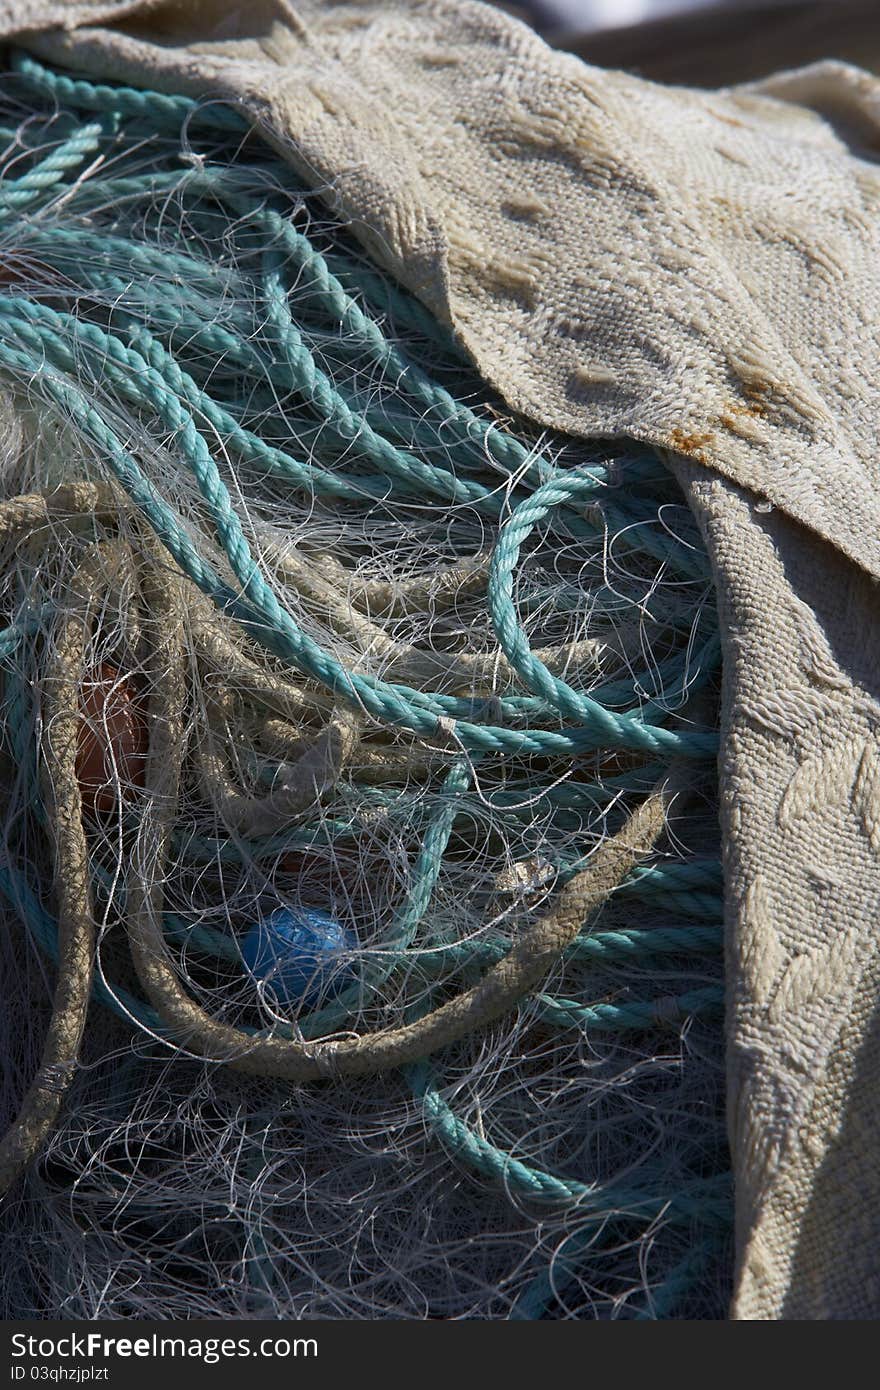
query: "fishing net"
362, 938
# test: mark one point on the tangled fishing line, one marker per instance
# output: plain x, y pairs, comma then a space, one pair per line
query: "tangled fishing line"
359, 778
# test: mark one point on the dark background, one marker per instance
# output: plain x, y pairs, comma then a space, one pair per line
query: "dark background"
704, 43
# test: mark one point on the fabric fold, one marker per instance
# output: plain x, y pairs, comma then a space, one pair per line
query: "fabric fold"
700, 271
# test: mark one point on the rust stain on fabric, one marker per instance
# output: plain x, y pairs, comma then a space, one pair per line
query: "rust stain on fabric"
692, 444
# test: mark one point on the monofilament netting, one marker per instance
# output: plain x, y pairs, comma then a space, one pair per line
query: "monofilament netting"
361, 947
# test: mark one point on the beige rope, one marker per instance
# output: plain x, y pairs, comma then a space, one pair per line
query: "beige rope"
31, 510
318, 766
374, 762
502, 987
438, 589
42, 1103
234, 667
409, 664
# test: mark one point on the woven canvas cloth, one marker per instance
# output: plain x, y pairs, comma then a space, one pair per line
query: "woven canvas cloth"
699, 270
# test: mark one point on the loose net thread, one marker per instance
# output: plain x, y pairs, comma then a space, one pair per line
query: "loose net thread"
397, 657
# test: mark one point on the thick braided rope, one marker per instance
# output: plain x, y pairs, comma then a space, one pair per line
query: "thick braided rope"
317, 768
154, 107
75, 934
26, 514
613, 945
500, 989
110, 345
17, 514
709, 1199
17, 193
572, 704
395, 705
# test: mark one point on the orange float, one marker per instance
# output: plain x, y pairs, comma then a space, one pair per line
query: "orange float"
112, 742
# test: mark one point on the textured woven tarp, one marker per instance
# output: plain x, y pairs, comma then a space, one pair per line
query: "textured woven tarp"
700, 270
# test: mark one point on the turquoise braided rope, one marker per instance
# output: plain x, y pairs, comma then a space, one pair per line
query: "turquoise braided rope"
274, 626
18, 193
618, 730
153, 107
49, 326
164, 110
408, 918
707, 1199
